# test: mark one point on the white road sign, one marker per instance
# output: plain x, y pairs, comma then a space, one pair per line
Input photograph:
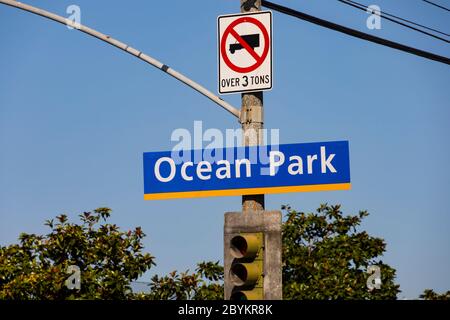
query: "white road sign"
245, 52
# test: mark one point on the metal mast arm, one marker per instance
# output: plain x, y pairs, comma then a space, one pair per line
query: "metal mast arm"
138, 54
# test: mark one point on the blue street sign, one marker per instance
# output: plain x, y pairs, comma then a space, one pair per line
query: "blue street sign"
247, 170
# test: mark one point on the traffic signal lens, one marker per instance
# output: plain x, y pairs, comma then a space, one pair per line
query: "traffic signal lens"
247, 295
238, 274
238, 247
245, 246
244, 273
239, 295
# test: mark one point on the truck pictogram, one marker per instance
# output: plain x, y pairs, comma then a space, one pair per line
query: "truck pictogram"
251, 39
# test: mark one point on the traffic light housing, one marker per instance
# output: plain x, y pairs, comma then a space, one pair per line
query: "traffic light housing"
247, 268
252, 255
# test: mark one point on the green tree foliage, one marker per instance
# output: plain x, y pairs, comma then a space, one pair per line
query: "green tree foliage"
109, 260
429, 294
203, 284
325, 257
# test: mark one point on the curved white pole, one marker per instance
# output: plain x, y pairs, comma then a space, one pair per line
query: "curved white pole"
138, 54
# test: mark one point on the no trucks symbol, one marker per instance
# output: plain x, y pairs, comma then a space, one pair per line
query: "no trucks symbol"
245, 52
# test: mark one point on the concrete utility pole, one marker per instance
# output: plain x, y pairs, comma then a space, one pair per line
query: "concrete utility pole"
254, 273
252, 119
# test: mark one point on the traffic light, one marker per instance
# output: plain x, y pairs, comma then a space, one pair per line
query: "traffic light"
252, 255
247, 268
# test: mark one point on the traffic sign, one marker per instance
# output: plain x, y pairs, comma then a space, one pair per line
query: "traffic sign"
245, 52
247, 170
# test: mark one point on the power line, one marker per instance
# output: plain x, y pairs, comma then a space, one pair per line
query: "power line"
383, 15
435, 4
355, 33
386, 16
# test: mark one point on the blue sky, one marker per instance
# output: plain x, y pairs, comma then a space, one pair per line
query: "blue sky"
76, 116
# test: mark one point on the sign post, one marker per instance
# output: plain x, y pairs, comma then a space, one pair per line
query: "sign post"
252, 238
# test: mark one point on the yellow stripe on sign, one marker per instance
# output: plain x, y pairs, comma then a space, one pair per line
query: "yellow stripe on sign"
246, 191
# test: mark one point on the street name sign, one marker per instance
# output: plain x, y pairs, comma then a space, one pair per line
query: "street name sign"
245, 52
247, 170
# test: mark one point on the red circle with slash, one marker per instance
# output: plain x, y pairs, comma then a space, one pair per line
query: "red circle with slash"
230, 31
